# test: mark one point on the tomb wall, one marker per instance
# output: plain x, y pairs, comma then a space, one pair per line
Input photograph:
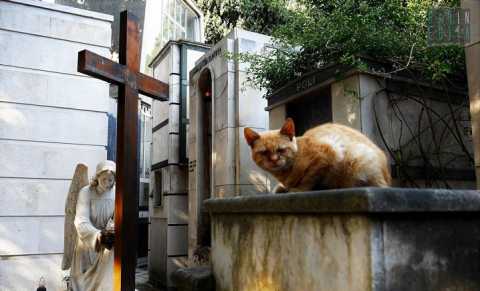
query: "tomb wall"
51, 118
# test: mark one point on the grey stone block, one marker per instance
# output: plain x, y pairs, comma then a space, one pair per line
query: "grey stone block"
224, 113
159, 112
55, 24
54, 161
36, 87
30, 122
225, 86
174, 119
22, 272
178, 212
251, 104
177, 179
194, 279
31, 235
50, 54
20, 197
356, 239
224, 161
160, 146
177, 240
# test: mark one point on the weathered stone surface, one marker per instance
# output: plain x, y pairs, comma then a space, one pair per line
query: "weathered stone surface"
355, 239
31, 235
174, 118
54, 161
194, 279
224, 113
51, 118
249, 172
173, 264
159, 112
251, 104
56, 24
434, 251
161, 148
346, 102
41, 88
52, 55
224, 157
277, 117
24, 272
353, 200
177, 240
163, 68
157, 257
30, 122
275, 252
20, 197
178, 212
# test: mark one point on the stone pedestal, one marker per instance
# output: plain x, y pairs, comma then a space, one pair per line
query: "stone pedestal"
352, 239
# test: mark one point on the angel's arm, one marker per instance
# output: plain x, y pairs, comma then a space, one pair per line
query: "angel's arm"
88, 233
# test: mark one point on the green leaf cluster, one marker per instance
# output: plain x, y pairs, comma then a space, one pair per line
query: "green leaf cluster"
309, 34
223, 15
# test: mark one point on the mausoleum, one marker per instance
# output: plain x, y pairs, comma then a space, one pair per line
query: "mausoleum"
196, 138
424, 128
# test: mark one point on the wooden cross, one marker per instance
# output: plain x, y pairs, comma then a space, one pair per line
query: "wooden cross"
130, 83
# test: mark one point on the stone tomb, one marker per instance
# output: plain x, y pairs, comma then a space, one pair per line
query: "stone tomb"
221, 105
169, 203
358, 239
425, 130
198, 146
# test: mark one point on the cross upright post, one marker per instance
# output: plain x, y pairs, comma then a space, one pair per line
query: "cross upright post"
130, 82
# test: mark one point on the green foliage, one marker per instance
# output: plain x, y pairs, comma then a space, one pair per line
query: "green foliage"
320, 32
259, 16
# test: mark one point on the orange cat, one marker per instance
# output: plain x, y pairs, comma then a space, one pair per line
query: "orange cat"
327, 156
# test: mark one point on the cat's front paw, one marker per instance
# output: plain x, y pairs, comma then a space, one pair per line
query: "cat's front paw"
280, 189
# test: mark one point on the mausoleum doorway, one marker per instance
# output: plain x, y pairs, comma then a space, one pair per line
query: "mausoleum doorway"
311, 109
205, 153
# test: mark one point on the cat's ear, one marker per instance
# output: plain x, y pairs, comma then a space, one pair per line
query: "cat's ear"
250, 135
288, 128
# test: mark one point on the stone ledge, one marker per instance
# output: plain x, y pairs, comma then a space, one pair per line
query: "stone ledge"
194, 279
352, 200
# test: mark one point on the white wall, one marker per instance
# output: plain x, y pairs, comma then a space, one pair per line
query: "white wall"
51, 118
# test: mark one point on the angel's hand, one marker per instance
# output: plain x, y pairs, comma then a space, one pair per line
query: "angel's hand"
107, 238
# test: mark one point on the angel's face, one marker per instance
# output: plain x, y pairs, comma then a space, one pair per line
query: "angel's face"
106, 180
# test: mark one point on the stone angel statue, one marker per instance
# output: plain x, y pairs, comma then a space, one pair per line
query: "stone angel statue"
89, 229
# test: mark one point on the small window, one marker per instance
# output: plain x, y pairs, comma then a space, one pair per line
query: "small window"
157, 192
179, 21
310, 110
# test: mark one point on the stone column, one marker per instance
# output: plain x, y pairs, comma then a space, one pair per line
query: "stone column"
472, 55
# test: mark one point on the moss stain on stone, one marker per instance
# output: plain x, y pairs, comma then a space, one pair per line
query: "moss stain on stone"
277, 252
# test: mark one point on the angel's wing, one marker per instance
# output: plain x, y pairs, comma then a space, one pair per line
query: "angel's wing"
79, 180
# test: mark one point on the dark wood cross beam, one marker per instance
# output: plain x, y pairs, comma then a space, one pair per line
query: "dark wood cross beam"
130, 83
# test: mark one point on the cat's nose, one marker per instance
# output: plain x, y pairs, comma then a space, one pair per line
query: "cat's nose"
274, 157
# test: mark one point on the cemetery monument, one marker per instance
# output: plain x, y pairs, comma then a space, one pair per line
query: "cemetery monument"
89, 229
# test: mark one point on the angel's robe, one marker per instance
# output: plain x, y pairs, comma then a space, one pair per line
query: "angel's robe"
92, 270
